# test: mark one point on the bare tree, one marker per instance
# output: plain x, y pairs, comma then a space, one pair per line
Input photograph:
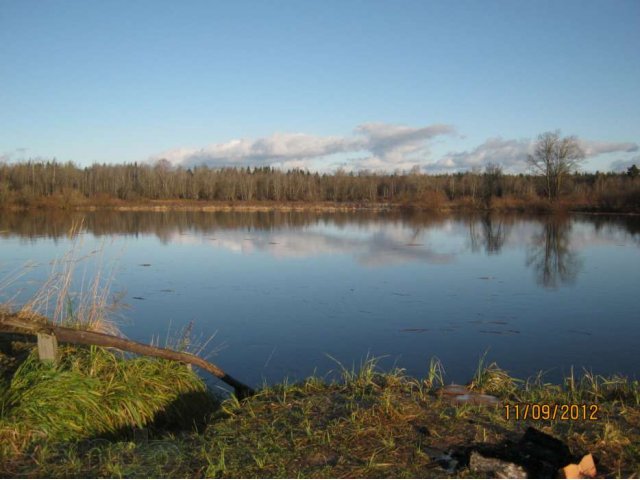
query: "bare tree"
492, 182
555, 157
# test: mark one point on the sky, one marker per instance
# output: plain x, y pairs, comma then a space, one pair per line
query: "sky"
361, 85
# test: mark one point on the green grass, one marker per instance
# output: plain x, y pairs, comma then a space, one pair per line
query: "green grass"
79, 419
91, 392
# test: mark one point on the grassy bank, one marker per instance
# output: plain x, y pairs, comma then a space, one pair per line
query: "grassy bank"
100, 414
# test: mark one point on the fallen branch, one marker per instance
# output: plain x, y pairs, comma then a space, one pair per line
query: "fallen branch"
13, 324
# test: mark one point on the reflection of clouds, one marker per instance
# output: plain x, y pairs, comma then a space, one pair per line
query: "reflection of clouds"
385, 249
375, 246
386, 243
234, 246
586, 235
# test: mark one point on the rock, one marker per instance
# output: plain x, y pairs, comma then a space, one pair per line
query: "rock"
496, 467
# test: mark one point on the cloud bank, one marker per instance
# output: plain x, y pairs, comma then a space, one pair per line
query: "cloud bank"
279, 147
592, 149
378, 147
511, 155
386, 146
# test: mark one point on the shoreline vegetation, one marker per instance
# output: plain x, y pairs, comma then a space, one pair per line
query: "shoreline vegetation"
99, 413
49, 184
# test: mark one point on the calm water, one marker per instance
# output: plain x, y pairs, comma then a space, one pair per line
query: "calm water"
284, 292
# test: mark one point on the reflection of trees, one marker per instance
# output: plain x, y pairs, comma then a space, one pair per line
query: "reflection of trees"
492, 235
551, 256
627, 223
57, 223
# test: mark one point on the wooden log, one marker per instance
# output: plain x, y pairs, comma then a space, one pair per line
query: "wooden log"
69, 335
47, 347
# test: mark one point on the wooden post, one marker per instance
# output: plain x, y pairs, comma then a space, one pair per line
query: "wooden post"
47, 347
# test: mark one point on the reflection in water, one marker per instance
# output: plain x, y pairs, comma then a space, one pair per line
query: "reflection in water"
373, 238
306, 284
487, 232
551, 256
57, 223
382, 246
495, 232
608, 224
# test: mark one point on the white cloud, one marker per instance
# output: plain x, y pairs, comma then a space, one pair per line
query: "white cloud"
594, 148
391, 146
395, 142
510, 154
396, 146
279, 147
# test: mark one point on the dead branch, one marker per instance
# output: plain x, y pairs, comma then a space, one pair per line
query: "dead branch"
13, 324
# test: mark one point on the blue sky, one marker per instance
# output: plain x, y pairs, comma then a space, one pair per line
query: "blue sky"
387, 85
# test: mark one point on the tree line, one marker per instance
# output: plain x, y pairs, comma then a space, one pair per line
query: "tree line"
39, 182
553, 176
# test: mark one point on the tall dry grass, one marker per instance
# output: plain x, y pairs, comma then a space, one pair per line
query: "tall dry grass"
85, 304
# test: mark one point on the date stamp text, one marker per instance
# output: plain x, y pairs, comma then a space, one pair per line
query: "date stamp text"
548, 411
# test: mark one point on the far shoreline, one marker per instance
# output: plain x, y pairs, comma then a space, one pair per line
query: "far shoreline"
497, 206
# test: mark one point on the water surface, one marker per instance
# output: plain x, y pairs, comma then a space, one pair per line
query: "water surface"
287, 293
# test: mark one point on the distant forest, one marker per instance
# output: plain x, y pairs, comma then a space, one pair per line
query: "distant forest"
50, 183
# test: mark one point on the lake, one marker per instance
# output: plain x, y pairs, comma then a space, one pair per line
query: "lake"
290, 294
